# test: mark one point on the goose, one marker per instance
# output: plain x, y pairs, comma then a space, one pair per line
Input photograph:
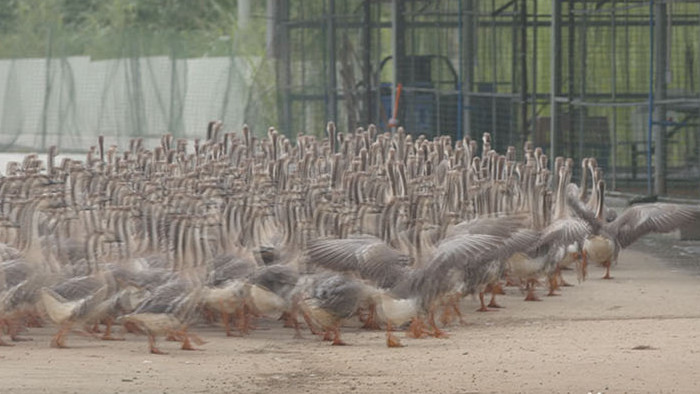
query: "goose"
556, 241
451, 267
607, 239
479, 276
18, 284
72, 302
367, 257
168, 310
271, 291
227, 289
331, 298
563, 221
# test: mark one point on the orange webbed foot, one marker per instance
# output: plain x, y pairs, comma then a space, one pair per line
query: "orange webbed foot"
393, 341
111, 338
157, 351
440, 334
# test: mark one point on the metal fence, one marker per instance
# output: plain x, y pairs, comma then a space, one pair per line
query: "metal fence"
618, 80
614, 79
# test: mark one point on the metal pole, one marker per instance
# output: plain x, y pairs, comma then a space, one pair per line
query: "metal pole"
494, 74
331, 46
513, 105
583, 112
278, 49
555, 76
47, 89
470, 53
367, 59
397, 33
523, 71
613, 85
533, 107
650, 123
572, 77
660, 95
460, 70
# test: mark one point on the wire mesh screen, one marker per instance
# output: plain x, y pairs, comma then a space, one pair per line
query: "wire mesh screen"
463, 68
72, 70
628, 57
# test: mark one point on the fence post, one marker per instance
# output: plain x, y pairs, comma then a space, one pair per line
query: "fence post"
659, 97
555, 76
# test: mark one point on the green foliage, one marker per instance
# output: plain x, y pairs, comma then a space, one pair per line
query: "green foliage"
108, 28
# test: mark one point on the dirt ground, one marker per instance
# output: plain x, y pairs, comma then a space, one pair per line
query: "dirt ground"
639, 332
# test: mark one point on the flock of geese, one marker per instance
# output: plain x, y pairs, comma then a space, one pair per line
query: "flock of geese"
382, 226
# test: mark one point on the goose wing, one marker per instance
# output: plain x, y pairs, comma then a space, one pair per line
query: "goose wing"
565, 232
453, 256
279, 279
78, 288
367, 256
502, 226
640, 220
167, 298
581, 210
338, 294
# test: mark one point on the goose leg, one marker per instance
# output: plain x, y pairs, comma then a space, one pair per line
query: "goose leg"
310, 323
33, 319
186, 344
371, 322
437, 333
531, 291
58, 340
512, 283
391, 339
152, 345
493, 303
226, 318
227, 323
495, 288
584, 264
607, 270
13, 329
293, 316
416, 329
553, 285
107, 336
455, 307
484, 308
241, 320
483, 304
286, 317
336, 337
560, 276
562, 281
3, 343
446, 317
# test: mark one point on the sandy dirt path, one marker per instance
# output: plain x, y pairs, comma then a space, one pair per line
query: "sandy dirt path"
639, 332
